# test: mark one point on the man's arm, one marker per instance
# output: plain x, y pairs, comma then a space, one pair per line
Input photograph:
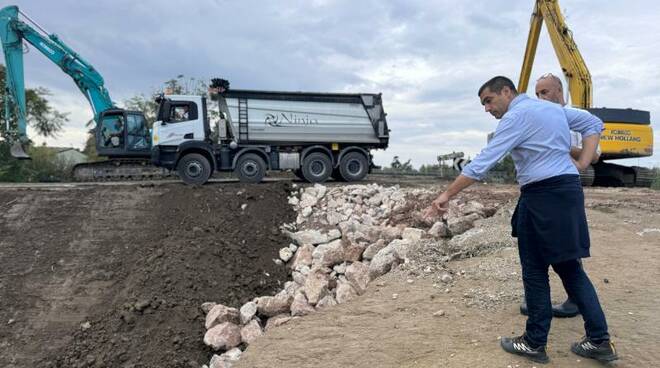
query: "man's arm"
439, 205
589, 146
576, 152
509, 134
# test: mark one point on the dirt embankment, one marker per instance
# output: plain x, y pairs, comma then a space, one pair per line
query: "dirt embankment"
114, 276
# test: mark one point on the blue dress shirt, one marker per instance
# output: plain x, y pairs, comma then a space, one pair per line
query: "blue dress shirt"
537, 133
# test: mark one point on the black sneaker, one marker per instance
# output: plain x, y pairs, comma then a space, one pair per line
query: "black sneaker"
566, 309
603, 352
518, 345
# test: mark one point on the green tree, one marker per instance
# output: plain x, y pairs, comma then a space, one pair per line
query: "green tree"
40, 115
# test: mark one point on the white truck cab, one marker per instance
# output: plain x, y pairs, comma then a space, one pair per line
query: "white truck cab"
181, 118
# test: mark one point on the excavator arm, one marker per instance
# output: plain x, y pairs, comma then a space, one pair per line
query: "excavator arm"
571, 61
13, 32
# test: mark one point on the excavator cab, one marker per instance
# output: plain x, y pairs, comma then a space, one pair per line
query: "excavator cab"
121, 133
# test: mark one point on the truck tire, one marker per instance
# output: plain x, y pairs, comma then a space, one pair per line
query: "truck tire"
353, 166
317, 167
194, 169
250, 168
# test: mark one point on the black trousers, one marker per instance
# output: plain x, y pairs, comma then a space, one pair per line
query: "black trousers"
551, 226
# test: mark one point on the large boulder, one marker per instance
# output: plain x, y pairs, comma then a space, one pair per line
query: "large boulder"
220, 314
251, 332
388, 258
247, 311
226, 360
439, 230
412, 234
224, 336
300, 306
357, 274
345, 291
303, 256
459, 225
278, 320
313, 236
316, 286
273, 305
372, 249
329, 254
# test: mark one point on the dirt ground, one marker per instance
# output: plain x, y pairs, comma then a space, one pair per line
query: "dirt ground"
113, 276
481, 304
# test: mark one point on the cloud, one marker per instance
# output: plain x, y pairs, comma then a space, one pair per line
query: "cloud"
428, 58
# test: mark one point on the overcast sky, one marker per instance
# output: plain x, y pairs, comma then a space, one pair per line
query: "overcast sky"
428, 58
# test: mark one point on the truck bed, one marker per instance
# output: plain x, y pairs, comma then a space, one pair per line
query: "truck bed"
274, 116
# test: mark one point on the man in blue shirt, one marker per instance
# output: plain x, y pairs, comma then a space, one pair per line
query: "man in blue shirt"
549, 220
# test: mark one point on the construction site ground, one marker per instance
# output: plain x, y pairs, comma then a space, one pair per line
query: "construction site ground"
113, 275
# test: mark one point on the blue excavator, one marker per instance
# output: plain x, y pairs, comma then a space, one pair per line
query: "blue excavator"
121, 136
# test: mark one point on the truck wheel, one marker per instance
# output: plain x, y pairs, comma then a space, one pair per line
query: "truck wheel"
353, 166
317, 167
250, 168
194, 169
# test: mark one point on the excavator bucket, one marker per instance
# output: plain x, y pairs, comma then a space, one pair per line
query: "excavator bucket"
17, 151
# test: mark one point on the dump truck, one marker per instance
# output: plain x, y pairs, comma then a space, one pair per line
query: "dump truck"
315, 135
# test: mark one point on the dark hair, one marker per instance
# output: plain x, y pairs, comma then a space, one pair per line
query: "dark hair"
496, 84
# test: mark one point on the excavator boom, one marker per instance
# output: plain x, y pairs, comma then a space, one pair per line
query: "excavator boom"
627, 133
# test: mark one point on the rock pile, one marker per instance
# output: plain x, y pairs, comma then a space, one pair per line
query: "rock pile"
342, 239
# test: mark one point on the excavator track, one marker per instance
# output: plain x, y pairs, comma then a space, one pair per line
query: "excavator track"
643, 177
587, 176
124, 169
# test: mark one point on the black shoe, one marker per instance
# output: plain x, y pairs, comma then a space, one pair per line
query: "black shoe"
603, 352
566, 309
523, 309
518, 345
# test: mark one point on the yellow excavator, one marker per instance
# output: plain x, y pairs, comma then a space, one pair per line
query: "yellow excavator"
628, 132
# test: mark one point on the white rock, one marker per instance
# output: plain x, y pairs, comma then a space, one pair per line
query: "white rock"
247, 311
412, 234
226, 360
459, 225
357, 274
294, 201
371, 250
206, 307
273, 305
345, 291
303, 256
223, 336
307, 199
277, 321
306, 211
439, 230
327, 301
387, 258
220, 314
312, 237
329, 254
298, 277
293, 247
340, 268
446, 278
300, 306
251, 332
286, 254
316, 287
